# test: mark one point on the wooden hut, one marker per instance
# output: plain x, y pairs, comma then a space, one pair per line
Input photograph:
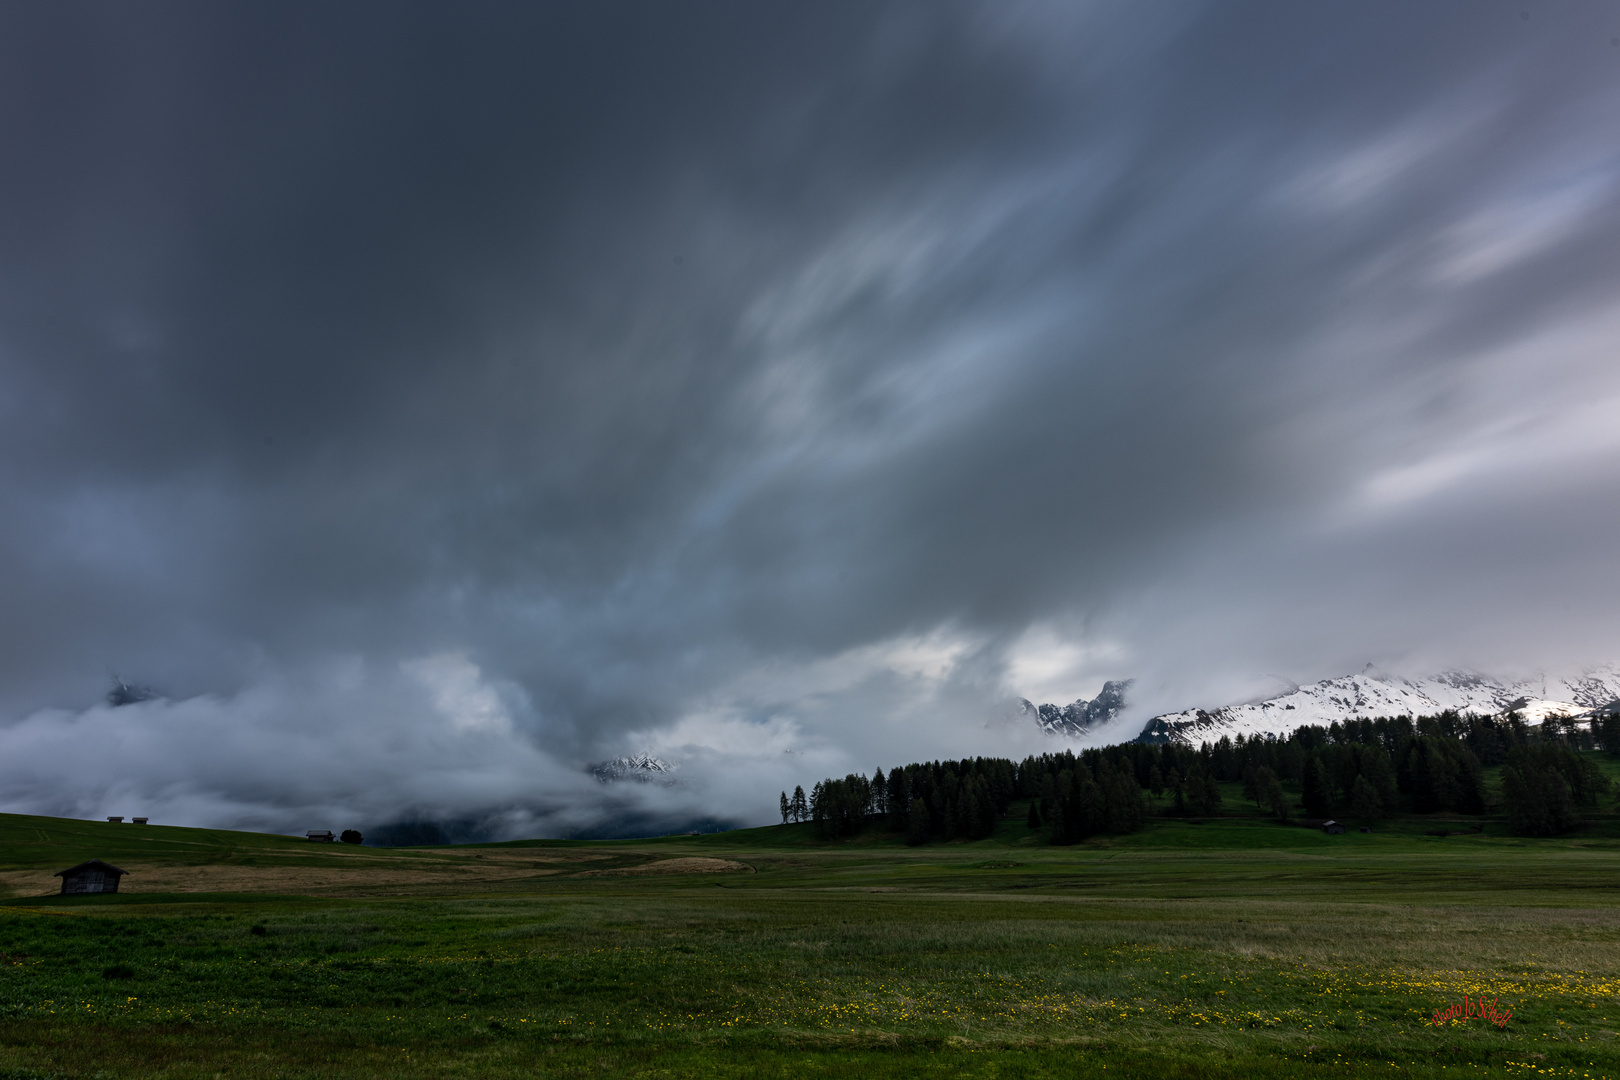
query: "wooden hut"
323, 836
1333, 827
94, 876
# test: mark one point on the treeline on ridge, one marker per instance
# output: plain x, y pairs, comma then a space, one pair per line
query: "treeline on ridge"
1362, 769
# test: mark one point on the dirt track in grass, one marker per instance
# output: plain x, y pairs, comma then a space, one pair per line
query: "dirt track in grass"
692, 865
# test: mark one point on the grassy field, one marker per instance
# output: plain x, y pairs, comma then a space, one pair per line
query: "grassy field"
1234, 947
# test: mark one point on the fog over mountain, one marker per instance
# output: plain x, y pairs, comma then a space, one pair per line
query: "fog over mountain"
428, 404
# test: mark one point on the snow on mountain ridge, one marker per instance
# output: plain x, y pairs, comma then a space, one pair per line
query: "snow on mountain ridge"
642, 767
1079, 716
1372, 693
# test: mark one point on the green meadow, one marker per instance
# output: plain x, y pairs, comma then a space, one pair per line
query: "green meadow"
1230, 947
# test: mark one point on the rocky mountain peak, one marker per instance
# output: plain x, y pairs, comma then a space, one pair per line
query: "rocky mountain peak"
1081, 715
640, 767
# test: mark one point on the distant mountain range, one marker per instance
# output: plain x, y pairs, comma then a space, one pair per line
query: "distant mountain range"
642, 767
1368, 694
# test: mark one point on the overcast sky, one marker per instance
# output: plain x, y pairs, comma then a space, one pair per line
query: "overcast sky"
430, 400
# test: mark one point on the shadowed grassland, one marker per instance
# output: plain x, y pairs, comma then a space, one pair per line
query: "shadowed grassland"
1230, 948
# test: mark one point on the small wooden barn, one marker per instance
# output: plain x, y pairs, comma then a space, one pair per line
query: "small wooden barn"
94, 876
322, 836
1334, 827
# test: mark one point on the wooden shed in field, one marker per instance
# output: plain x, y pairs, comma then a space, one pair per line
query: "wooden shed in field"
320, 836
1334, 827
94, 876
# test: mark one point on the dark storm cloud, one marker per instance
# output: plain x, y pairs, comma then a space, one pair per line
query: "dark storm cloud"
740, 380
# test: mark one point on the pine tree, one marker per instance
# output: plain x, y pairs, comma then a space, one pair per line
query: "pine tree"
972, 821
1091, 810
899, 798
787, 808
1470, 784
1124, 810
989, 813
1314, 790
1538, 801
1444, 778
948, 805
1364, 802
1034, 819
917, 823
1061, 812
1049, 797
1421, 780
1380, 774
1275, 800
1608, 732
1251, 784
1263, 779
800, 805
818, 805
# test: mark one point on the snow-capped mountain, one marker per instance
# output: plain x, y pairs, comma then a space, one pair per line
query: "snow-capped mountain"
1077, 717
642, 767
1373, 694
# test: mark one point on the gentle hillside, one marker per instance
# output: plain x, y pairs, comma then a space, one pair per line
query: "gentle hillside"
169, 859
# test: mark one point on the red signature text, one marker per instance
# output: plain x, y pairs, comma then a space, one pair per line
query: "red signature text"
1469, 1009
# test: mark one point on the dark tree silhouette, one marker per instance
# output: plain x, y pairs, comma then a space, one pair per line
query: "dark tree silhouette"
917, 823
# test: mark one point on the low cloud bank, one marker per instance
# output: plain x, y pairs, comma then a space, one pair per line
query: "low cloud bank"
432, 748
349, 746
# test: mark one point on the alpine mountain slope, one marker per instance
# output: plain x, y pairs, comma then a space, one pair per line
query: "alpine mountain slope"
1372, 693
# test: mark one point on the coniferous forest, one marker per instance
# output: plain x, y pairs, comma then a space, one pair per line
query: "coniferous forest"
1361, 770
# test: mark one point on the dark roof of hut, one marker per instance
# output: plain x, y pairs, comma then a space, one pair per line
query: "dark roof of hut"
93, 864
